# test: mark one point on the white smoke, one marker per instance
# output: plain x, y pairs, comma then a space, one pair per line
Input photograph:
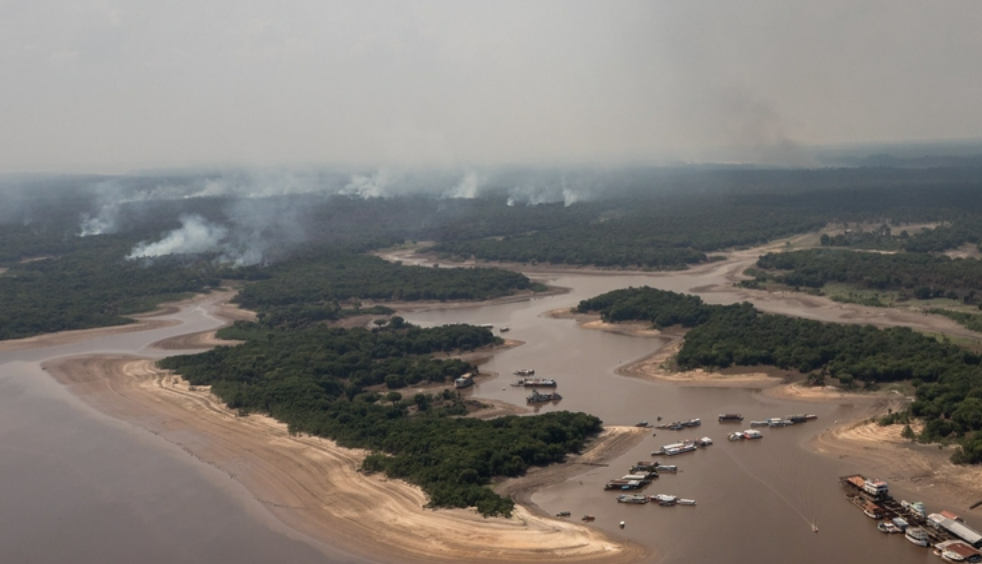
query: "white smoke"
102, 223
374, 186
196, 235
467, 188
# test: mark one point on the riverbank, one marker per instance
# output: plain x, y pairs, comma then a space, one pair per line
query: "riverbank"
314, 486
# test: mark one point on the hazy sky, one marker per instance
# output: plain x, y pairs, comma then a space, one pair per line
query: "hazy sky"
110, 85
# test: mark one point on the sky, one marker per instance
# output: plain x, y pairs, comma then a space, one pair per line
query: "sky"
110, 86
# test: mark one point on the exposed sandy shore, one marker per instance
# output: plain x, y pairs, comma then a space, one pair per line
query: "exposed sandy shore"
313, 486
924, 470
593, 321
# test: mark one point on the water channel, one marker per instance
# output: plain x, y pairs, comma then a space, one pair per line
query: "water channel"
80, 486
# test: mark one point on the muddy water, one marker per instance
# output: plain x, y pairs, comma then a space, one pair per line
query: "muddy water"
757, 500
81, 487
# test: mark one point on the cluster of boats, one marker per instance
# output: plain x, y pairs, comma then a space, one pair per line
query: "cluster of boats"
536, 396
661, 499
953, 540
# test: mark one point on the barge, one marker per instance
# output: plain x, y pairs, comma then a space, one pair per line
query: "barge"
537, 397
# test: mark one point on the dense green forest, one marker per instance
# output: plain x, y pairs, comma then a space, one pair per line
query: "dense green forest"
91, 288
313, 286
332, 383
948, 379
916, 275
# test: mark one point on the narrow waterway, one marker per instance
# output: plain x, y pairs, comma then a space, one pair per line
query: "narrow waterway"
757, 500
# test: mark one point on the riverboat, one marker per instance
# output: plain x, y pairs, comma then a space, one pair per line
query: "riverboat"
683, 501
873, 511
749, 434
917, 535
629, 498
676, 448
504, 330
587, 518
465, 381
537, 383
537, 397
758, 423
563, 514
730, 418
957, 551
704, 442
665, 500
524, 372
670, 468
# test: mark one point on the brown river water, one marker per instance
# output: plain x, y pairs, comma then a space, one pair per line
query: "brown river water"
78, 486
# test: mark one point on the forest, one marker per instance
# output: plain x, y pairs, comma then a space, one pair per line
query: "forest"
343, 384
916, 275
947, 378
314, 286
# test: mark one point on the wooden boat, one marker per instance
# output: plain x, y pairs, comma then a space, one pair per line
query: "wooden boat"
537, 397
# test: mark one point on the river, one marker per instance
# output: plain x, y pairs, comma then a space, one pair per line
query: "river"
80, 486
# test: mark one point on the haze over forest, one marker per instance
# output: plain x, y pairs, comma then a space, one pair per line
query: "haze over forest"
111, 86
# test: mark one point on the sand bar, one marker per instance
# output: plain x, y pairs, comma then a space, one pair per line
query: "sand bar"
314, 486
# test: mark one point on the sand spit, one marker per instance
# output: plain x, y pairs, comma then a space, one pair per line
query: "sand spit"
594, 322
314, 486
918, 469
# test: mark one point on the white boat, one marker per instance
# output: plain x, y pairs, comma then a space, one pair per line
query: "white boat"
758, 423
666, 468
704, 442
917, 536
665, 500
632, 498
525, 372
888, 527
682, 501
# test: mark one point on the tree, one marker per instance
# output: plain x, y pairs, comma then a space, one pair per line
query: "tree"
394, 397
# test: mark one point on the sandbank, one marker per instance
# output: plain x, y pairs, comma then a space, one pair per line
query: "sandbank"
314, 487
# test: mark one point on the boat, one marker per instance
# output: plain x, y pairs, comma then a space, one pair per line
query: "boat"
524, 372
563, 514
692, 422
800, 417
642, 424
704, 442
538, 383
486, 326
665, 500
682, 501
504, 330
670, 468
917, 508
900, 523
676, 448
778, 422
465, 381
758, 423
749, 434
729, 418
888, 527
873, 511
632, 498
536, 397
917, 535
957, 551
587, 518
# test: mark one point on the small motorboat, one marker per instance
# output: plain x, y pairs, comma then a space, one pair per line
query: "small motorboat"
563, 514
682, 501
587, 518
622, 524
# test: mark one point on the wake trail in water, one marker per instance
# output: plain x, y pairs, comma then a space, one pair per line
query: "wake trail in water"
807, 519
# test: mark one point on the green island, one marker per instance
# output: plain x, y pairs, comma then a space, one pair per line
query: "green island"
947, 378
341, 384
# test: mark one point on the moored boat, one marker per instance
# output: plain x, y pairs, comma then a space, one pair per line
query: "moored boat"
917, 535
632, 498
729, 418
888, 527
682, 501
525, 372
538, 382
537, 397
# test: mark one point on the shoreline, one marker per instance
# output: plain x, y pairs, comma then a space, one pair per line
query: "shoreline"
313, 486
